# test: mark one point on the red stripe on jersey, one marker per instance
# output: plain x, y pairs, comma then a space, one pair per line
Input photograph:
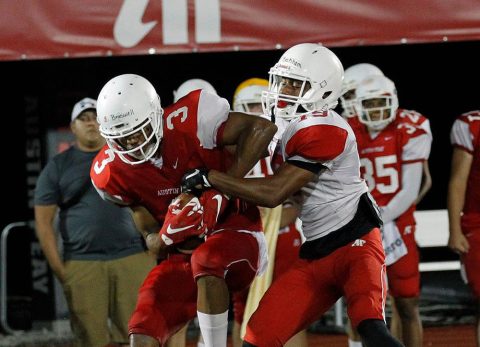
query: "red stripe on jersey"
413, 161
318, 142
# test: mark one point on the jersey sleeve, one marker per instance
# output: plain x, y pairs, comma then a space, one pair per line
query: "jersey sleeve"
417, 145
104, 181
465, 131
316, 143
212, 112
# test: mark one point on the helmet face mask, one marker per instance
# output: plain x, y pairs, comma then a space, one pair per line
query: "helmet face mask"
314, 77
348, 101
377, 102
378, 112
139, 143
130, 117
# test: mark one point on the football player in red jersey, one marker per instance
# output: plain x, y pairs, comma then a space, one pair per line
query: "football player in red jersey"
148, 151
343, 253
464, 200
391, 154
354, 75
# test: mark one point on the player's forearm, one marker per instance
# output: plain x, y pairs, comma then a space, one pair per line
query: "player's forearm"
411, 180
48, 243
426, 183
254, 190
455, 201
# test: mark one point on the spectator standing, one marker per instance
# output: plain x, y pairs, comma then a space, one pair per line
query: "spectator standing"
104, 260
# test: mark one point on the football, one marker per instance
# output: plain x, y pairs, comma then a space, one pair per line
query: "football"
190, 244
181, 200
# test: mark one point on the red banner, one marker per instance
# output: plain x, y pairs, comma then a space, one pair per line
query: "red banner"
38, 29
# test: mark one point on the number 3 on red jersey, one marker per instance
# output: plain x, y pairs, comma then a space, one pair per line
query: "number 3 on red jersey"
99, 168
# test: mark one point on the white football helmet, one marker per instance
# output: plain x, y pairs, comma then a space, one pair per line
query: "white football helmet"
191, 85
249, 94
377, 102
316, 72
130, 117
353, 76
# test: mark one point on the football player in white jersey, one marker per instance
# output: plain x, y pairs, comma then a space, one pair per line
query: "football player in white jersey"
343, 253
284, 246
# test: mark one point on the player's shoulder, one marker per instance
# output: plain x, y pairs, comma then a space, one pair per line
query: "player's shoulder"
182, 115
471, 117
316, 130
409, 129
411, 116
104, 167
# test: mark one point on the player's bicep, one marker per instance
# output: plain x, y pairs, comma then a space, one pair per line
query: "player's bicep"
239, 124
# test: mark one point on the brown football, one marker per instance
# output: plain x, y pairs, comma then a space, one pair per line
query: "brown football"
190, 244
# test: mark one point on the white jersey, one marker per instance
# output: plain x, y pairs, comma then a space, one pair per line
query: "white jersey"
330, 201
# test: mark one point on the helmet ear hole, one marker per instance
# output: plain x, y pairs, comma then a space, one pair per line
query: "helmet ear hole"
326, 94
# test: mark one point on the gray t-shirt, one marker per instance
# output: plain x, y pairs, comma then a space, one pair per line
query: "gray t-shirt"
91, 229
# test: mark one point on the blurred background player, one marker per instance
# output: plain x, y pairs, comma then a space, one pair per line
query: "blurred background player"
191, 85
464, 200
104, 260
353, 76
343, 252
282, 254
391, 153
149, 150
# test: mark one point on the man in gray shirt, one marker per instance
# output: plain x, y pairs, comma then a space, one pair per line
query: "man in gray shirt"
104, 260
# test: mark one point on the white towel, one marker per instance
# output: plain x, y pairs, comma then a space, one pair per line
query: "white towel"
392, 243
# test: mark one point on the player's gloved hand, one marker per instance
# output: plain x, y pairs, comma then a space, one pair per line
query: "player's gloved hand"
214, 204
195, 181
183, 220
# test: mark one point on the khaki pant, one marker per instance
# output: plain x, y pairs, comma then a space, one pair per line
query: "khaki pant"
101, 296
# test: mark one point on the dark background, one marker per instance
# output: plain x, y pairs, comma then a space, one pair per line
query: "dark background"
438, 80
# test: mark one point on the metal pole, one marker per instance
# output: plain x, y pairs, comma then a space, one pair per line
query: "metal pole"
3, 276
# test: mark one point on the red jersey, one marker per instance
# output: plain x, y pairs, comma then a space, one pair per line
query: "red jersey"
191, 127
382, 157
465, 135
